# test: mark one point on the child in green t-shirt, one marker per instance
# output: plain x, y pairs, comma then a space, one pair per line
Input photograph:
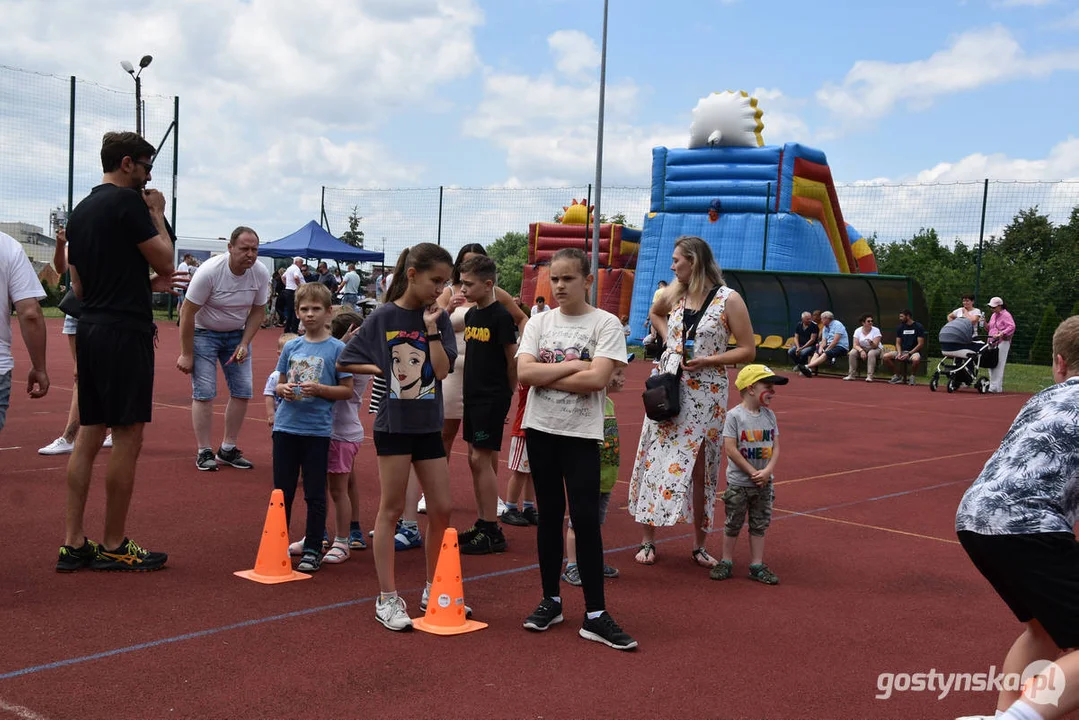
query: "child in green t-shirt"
608, 477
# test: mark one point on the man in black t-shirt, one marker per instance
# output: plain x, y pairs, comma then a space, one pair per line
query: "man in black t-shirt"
490, 376
910, 346
805, 339
115, 235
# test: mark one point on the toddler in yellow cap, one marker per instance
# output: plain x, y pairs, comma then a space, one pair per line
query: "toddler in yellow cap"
751, 442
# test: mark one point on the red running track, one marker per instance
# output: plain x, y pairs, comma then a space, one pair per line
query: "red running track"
872, 581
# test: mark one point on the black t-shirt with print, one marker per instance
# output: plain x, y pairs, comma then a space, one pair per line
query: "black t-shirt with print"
487, 332
103, 235
907, 335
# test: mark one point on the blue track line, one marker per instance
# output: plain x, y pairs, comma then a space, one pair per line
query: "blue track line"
33, 669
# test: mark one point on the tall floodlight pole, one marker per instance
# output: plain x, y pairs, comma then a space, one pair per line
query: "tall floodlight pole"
599, 162
130, 70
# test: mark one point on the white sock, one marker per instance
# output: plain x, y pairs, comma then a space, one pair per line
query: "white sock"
557, 599
595, 614
386, 597
427, 588
227, 447
339, 539
1021, 711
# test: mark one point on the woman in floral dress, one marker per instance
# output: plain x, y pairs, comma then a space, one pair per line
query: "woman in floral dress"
677, 465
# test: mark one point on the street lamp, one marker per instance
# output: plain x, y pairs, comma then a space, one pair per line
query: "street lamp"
130, 70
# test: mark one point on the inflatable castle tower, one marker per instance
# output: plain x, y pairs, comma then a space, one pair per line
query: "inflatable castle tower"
618, 248
759, 207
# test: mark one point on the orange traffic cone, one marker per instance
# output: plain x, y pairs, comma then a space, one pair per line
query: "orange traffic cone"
273, 566
446, 603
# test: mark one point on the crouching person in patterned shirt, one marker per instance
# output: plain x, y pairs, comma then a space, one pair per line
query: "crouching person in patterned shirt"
1016, 523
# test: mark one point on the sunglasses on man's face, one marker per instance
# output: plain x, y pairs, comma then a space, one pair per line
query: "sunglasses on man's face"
148, 167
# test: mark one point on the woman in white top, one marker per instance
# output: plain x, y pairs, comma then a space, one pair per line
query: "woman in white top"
866, 346
968, 311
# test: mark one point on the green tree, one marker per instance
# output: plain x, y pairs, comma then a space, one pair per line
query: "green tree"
353, 236
510, 253
1041, 352
938, 314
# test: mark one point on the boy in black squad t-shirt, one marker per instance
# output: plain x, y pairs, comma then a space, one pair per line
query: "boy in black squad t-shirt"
490, 376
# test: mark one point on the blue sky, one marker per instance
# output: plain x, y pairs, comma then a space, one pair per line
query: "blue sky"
280, 98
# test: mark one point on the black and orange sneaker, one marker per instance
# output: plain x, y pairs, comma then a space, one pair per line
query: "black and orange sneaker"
129, 557
76, 558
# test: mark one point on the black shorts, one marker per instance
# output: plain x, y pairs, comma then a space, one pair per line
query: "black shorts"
116, 374
421, 446
484, 423
1036, 575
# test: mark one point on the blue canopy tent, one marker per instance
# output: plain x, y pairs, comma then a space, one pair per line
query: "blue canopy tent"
312, 241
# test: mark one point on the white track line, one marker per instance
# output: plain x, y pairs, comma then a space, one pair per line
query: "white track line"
23, 713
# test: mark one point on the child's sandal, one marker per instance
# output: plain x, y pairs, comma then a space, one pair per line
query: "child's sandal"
702, 558
723, 570
338, 553
647, 554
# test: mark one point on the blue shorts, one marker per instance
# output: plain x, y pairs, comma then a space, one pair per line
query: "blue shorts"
5, 396
212, 347
350, 299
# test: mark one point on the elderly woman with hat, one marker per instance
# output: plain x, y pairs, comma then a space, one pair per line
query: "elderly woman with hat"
1001, 330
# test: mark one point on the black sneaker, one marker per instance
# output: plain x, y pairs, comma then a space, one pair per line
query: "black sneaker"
605, 630
72, 558
805, 371
205, 460
466, 537
531, 515
548, 613
514, 517
235, 458
485, 542
129, 557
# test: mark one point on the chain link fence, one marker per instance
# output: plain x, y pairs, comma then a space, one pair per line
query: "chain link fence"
50, 142
1028, 233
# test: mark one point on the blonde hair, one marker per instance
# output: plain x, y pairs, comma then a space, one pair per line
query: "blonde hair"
1066, 343
283, 340
706, 272
316, 292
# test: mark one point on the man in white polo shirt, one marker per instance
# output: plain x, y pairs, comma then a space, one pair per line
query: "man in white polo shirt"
222, 312
293, 280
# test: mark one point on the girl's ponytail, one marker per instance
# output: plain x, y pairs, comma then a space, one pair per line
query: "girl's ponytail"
422, 256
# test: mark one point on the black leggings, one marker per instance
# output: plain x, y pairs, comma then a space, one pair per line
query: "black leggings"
290, 454
564, 468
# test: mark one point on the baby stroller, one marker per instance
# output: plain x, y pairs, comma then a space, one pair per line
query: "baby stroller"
963, 365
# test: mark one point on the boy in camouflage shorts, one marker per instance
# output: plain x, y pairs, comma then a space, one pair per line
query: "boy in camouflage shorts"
751, 442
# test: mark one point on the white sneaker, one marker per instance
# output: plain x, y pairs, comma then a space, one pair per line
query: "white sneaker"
393, 614
296, 549
501, 507
59, 446
869, 378
108, 441
850, 377
421, 506
912, 381
426, 597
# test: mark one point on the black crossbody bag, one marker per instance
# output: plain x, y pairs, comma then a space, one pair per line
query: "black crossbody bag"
662, 396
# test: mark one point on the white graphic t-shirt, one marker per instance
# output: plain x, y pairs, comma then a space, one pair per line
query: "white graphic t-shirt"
553, 337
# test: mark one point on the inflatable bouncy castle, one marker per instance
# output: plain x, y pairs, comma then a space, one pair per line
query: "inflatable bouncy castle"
759, 207
618, 249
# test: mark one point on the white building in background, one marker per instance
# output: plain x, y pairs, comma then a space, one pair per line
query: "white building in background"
38, 246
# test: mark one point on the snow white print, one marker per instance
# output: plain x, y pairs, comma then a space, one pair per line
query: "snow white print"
413, 376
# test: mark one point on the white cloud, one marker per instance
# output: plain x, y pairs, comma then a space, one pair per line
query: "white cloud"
277, 98
873, 88
575, 53
1062, 162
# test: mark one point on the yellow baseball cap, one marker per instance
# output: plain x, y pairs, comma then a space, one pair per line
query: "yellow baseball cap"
757, 373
